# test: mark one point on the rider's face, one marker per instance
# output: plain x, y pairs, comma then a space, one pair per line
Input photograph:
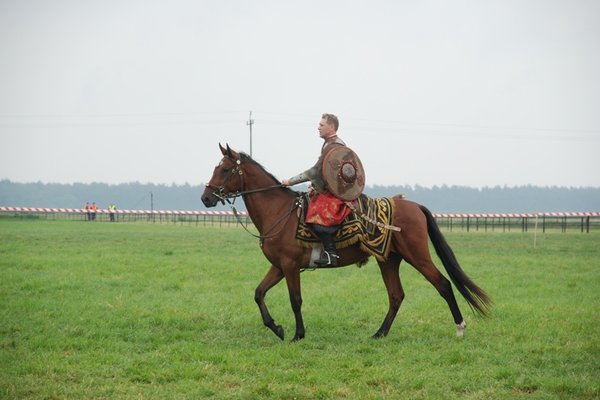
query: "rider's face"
325, 129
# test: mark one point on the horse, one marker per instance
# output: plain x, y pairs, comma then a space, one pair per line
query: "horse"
271, 208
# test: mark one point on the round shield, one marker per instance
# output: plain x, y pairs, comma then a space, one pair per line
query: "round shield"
343, 173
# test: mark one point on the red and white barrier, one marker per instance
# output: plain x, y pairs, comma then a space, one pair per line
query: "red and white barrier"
244, 213
105, 211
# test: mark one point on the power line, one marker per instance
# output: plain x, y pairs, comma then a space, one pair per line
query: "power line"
426, 123
112, 115
124, 124
394, 127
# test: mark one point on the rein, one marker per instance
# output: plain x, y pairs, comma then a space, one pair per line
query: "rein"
262, 238
222, 196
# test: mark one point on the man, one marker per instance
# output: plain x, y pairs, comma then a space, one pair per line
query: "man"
111, 210
88, 211
94, 211
325, 211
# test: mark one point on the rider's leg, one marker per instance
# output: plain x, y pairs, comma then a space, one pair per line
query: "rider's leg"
326, 234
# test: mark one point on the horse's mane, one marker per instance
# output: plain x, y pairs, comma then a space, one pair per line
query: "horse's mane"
246, 158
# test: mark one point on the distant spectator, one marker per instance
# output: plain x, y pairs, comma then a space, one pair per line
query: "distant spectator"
88, 211
111, 211
94, 210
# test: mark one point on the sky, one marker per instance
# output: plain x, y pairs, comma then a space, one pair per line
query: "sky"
432, 92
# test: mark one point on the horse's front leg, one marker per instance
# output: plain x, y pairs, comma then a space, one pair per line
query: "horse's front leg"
272, 278
293, 282
391, 278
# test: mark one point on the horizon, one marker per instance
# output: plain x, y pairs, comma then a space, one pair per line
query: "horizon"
201, 184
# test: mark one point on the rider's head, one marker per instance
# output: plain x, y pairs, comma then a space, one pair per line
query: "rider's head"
328, 125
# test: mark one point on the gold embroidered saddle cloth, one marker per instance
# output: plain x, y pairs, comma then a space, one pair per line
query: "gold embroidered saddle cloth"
373, 240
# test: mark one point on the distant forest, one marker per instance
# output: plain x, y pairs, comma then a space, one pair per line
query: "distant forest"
440, 199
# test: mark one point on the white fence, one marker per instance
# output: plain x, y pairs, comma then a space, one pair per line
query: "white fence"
581, 221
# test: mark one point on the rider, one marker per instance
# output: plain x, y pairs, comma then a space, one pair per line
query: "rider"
325, 211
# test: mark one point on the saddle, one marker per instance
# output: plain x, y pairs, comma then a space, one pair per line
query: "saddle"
355, 228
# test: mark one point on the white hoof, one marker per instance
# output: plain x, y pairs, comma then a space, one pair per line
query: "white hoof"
460, 329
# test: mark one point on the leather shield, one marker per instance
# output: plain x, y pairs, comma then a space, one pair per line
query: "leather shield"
343, 173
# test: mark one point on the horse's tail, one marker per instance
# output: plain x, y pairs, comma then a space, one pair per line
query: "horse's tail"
473, 294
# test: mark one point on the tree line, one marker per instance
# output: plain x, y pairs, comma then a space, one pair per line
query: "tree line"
450, 199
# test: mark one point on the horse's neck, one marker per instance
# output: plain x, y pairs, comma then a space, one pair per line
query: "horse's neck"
265, 208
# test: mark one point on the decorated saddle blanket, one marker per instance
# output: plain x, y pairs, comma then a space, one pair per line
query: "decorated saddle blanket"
373, 240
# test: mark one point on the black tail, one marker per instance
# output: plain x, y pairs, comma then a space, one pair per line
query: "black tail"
473, 294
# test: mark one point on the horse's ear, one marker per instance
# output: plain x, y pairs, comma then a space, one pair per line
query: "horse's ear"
230, 152
227, 151
223, 150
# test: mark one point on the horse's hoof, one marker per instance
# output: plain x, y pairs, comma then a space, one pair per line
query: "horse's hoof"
279, 332
378, 335
297, 338
460, 329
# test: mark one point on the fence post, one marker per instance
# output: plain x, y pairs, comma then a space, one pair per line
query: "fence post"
544, 223
588, 224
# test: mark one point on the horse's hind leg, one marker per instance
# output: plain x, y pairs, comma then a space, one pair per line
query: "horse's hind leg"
426, 267
272, 278
391, 277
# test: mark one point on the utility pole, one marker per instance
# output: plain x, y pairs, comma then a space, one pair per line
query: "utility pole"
250, 122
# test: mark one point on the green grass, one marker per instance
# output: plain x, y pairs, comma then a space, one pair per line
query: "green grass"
98, 311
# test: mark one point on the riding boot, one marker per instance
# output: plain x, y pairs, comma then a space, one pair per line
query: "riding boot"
327, 234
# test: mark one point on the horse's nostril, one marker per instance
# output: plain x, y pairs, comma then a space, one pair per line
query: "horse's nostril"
208, 202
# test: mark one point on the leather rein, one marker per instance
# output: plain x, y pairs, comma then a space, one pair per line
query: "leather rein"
219, 193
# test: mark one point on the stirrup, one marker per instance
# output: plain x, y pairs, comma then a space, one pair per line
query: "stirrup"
332, 259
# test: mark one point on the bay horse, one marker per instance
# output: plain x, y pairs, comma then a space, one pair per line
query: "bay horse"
272, 209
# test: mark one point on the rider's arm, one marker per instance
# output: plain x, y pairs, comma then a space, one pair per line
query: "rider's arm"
305, 176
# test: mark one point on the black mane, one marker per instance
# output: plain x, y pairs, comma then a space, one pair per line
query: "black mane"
246, 158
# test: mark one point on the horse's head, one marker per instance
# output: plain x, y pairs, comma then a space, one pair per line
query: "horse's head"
226, 178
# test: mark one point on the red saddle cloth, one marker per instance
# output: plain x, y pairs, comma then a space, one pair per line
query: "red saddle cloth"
326, 209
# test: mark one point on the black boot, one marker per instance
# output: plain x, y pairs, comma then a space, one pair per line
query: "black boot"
327, 234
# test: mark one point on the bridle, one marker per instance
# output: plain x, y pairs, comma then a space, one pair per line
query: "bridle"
222, 196
219, 191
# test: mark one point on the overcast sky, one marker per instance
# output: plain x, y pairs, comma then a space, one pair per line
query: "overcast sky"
475, 93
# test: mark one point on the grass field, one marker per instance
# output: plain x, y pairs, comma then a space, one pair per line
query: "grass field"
136, 311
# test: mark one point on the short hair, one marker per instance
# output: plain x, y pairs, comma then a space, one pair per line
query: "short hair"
331, 120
